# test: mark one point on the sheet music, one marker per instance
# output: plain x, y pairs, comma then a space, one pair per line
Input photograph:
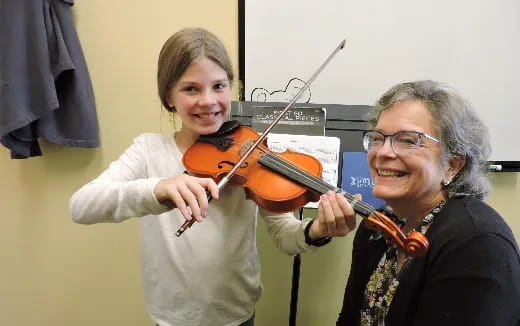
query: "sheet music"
325, 149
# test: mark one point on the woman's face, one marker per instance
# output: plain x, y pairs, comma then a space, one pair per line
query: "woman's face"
415, 177
201, 97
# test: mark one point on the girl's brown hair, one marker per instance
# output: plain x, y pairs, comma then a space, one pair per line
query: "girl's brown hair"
181, 50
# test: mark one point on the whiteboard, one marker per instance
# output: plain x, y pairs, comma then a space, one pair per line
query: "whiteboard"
473, 46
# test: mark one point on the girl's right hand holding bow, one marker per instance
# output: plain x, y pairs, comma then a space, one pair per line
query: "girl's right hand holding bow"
188, 194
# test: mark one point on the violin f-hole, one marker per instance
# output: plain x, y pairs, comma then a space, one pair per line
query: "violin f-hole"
232, 164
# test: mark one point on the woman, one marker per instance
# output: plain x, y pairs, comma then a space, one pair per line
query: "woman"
427, 152
210, 275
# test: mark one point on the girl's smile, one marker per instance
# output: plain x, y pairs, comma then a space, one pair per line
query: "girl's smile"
202, 99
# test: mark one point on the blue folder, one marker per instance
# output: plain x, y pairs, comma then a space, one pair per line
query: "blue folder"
356, 179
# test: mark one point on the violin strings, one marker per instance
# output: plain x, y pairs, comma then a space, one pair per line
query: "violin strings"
284, 167
319, 185
291, 171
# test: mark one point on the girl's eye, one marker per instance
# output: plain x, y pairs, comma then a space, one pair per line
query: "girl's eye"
189, 89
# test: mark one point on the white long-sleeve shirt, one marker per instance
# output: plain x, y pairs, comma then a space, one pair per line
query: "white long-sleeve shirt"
211, 274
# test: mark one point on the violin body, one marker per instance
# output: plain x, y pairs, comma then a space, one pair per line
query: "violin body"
268, 189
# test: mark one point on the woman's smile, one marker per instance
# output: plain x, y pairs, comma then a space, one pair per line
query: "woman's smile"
390, 173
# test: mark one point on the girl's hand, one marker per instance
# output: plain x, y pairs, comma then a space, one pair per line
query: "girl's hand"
336, 217
185, 191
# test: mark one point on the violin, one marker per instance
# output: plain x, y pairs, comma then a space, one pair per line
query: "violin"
260, 140
282, 182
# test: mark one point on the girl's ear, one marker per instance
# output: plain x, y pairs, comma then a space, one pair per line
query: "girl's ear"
170, 104
453, 166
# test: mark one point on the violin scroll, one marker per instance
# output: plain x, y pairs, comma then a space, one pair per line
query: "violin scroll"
414, 245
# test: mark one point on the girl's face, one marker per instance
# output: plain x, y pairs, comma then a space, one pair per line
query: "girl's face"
402, 178
201, 98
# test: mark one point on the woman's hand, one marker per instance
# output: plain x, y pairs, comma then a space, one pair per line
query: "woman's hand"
336, 217
185, 191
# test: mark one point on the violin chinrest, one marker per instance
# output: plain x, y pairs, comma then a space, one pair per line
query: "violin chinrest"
226, 128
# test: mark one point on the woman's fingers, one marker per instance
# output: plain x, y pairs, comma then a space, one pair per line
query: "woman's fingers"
335, 215
330, 216
352, 220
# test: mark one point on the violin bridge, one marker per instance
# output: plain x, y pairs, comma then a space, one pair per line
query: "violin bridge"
245, 147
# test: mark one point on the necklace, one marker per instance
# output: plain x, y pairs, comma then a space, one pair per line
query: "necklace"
384, 281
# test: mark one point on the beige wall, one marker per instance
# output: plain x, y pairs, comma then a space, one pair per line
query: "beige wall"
54, 272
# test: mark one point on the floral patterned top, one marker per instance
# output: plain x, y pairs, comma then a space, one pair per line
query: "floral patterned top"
384, 281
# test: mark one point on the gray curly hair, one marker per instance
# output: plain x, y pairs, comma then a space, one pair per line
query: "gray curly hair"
461, 131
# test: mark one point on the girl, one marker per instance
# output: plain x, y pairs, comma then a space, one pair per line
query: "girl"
210, 275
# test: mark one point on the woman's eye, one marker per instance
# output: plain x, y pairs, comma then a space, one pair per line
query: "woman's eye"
220, 86
378, 139
408, 141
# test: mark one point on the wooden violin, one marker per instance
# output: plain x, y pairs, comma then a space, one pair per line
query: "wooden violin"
282, 182
261, 140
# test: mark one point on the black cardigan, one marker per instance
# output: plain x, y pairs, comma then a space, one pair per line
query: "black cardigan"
469, 276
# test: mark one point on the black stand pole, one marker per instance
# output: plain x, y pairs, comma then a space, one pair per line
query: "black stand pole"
295, 285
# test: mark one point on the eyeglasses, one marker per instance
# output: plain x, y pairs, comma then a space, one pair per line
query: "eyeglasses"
402, 142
